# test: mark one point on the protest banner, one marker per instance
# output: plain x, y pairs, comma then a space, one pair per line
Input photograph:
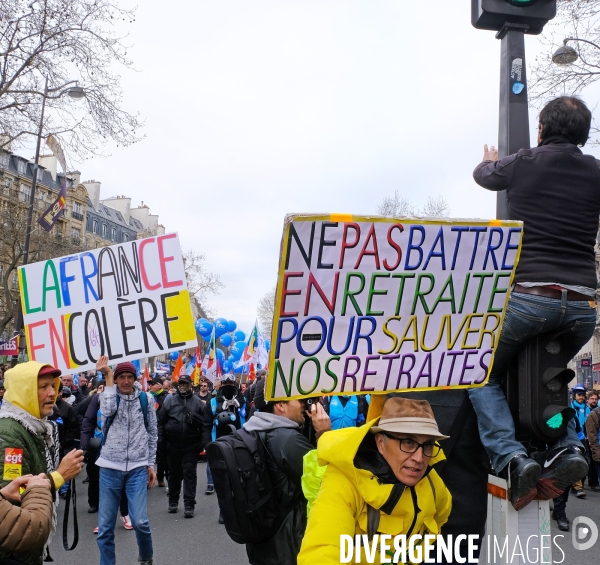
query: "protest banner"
371, 304
10, 347
126, 301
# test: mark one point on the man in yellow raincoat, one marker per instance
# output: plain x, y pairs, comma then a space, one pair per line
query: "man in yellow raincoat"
379, 479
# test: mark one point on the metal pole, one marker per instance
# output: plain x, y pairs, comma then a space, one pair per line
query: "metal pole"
513, 131
19, 321
513, 134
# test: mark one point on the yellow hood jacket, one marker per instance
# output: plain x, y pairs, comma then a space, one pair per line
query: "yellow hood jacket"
341, 506
21, 384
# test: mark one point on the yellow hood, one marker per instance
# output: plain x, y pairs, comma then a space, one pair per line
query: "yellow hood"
21, 385
339, 448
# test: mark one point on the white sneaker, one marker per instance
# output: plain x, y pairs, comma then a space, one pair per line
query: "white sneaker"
127, 523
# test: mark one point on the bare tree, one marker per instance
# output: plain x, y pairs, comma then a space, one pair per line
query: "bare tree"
578, 19
201, 283
266, 312
42, 246
397, 205
65, 42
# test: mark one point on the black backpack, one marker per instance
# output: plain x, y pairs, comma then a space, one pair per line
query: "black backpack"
238, 463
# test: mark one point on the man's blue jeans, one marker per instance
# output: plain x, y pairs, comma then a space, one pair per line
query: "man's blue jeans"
209, 479
528, 315
135, 483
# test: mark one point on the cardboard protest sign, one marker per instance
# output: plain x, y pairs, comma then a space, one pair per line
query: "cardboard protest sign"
126, 301
370, 304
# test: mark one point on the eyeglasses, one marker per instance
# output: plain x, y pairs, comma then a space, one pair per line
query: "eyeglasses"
430, 449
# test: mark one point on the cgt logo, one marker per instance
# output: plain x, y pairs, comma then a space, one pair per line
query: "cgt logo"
585, 533
13, 456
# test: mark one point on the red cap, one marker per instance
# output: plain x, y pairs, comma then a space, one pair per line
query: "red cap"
126, 367
49, 371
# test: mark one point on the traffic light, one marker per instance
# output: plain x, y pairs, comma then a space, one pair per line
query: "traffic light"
494, 14
544, 407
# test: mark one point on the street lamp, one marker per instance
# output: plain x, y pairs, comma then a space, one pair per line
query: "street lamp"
77, 93
566, 55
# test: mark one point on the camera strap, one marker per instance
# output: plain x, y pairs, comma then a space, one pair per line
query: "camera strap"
71, 495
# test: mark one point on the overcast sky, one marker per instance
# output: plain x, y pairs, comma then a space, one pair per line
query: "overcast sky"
259, 108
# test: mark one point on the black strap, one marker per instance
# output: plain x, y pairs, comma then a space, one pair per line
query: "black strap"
455, 431
71, 494
373, 516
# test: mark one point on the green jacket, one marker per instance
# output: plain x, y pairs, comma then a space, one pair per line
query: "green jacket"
14, 435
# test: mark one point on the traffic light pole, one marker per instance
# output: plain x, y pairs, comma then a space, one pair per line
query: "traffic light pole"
513, 133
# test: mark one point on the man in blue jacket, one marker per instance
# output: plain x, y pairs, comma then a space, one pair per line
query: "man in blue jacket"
127, 458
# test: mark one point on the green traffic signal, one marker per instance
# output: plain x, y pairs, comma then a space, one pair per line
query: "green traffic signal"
555, 422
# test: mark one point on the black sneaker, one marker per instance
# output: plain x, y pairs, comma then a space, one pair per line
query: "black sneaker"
521, 474
563, 523
188, 512
209, 489
172, 507
221, 521
563, 467
92, 509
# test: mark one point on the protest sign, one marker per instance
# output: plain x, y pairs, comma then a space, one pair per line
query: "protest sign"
10, 347
369, 304
126, 301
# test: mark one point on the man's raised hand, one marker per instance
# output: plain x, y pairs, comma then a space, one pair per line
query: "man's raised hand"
490, 154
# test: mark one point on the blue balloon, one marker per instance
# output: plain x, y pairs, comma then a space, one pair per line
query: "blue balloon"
227, 366
200, 321
174, 355
221, 326
239, 369
220, 355
268, 344
239, 336
232, 325
204, 328
226, 340
237, 349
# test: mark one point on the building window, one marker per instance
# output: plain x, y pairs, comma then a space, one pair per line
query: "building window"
75, 234
4, 160
21, 167
77, 211
125, 237
114, 234
15, 280
95, 226
26, 191
104, 231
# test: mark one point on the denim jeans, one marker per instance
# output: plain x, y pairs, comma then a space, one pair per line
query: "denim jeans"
135, 483
527, 316
209, 479
560, 504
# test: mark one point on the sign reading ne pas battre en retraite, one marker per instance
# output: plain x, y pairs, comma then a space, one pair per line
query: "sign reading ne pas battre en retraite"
126, 301
370, 304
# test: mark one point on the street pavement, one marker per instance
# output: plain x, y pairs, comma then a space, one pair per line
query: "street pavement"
202, 540
176, 540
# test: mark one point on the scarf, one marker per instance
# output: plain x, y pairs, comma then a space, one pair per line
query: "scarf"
38, 427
